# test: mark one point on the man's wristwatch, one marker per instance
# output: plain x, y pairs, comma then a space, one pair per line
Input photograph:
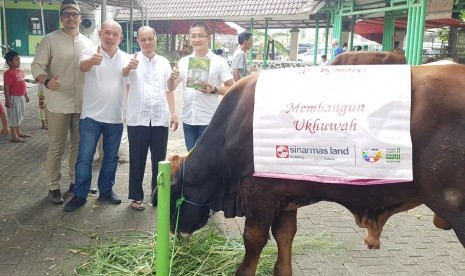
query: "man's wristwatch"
46, 83
214, 90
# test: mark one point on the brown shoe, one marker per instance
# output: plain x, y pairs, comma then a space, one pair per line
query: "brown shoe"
54, 196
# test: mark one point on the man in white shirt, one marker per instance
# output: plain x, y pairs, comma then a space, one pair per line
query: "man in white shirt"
150, 111
239, 62
200, 104
102, 110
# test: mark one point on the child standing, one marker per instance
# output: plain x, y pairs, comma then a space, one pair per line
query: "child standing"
5, 131
42, 104
15, 90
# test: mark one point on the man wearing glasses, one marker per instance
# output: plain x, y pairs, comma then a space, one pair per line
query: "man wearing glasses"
55, 66
200, 104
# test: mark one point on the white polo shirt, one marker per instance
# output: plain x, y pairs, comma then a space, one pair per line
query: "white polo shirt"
147, 104
104, 88
198, 108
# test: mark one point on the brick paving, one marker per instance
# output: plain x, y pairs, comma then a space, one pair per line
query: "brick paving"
36, 237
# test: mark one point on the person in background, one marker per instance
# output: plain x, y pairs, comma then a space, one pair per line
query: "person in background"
42, 104
55, 66
344, 47
397, 48
239, 62
4, 121
358, 48
150, 112
102, 113
15, 90
200, 104
337, 50
324, 60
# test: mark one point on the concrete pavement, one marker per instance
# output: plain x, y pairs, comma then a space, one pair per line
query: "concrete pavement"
36, 237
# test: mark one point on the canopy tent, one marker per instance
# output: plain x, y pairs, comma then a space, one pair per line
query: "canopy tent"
372, 29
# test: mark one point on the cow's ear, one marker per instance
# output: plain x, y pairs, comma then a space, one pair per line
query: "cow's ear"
176, 163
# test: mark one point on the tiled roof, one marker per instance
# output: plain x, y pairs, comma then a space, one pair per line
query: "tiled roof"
226, 10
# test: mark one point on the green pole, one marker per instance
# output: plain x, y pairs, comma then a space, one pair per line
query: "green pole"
250, 52
265, 56
214, 35
417, 47
330, 14
408, 35
317, 31
421, 29
163, 217
352, 23
388, 32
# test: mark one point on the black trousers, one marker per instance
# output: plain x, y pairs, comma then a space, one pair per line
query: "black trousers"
141, 138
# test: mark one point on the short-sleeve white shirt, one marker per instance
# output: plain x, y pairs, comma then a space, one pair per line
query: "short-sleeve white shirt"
147, 104
198, 108
104, 88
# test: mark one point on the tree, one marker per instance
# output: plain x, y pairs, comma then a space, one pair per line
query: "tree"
259, 44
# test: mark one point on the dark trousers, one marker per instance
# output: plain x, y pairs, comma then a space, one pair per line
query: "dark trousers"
141, 138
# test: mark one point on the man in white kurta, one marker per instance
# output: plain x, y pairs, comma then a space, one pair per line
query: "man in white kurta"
150, 112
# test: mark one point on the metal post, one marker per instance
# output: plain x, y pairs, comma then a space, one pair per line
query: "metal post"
421, 30
328, 20
42, 21
103, 13
250, 52
317, 31
131, 28
265, 55
214, 35
352, 23
388, 32
163, 217
5, 37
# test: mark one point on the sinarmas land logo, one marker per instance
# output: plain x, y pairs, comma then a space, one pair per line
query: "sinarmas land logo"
372, 155
282, 151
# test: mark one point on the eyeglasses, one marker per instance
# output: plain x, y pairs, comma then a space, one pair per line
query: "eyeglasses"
197, 36
68, 14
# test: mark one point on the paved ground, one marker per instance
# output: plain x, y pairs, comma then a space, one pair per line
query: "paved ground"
36, 237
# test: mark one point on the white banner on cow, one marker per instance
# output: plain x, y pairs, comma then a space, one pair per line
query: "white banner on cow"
335, 124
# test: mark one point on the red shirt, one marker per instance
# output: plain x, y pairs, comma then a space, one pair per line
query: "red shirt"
14, 78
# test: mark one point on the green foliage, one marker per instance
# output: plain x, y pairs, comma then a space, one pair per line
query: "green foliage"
444, 35
259, 43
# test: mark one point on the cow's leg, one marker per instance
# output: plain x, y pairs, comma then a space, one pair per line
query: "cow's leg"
284, 228
256, 235
441, 223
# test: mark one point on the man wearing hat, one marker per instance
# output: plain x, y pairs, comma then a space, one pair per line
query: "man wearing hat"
239, 62
55, 66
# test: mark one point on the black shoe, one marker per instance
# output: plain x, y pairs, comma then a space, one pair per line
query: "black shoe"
93, 190
74, 203
155, 197
70, 190
111, 197
54, 196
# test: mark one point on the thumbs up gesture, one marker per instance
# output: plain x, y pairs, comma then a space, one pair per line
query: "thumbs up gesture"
175, 72
97, 57
54, 84
133, 63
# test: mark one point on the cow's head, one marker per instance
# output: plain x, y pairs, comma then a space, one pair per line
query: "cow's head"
192, 215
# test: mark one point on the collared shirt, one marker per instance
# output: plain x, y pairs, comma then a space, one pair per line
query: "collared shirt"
104, 87
58, 55
147, 104
240, 62
198, 108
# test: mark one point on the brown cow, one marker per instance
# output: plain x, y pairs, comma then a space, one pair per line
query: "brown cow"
368, 58
218, 174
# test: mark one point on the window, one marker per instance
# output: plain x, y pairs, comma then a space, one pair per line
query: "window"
35, 24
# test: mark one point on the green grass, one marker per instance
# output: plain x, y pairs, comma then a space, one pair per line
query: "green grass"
206, 253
